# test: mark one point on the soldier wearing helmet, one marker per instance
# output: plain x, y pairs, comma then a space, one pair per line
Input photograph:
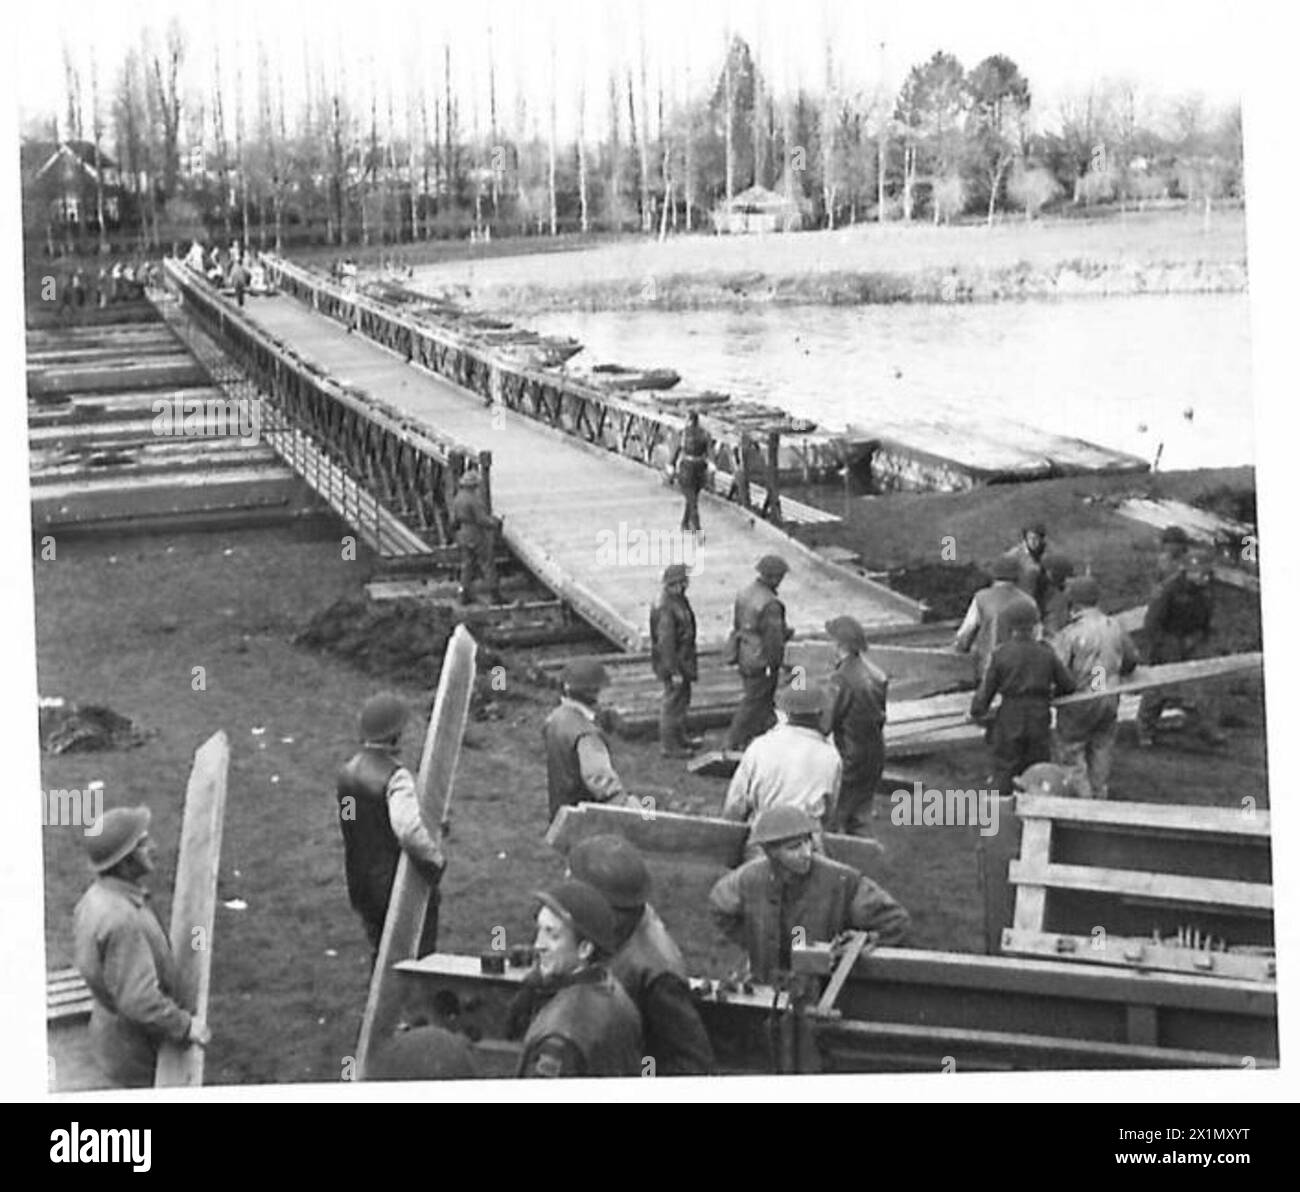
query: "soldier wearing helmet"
1027, 674
791, 891
757, 649
124, 957
582, 1021
983, 628
672, 655
1178, 627
476, 536
646, 959
791, 765
379, 815
579, 768
1095, 650
854, 718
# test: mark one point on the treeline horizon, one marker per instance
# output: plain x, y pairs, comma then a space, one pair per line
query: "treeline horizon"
351, 165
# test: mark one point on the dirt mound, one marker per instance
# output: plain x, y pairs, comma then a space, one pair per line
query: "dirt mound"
85, 728
395, 639
945, 587
404, 641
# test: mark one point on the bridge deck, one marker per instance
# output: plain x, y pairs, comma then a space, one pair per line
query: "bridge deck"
597, 528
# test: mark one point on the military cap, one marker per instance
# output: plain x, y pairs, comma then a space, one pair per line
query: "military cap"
584, 909
674, 573
1045, 778
773, 566
801, 703
1083, 589
614, 867
585, 676
120, 831
1175, 536
384, 716
782, 822
848, 632
1005, 567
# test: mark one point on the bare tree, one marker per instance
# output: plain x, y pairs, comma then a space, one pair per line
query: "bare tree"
492, 125
550, 145
72, 87
97, 130
689, 132
829, 179
582, 154
647, 213
165, 70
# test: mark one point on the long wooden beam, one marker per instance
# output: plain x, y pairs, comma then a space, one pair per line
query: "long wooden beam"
690, 839
410, 895
194, 901
1171, 674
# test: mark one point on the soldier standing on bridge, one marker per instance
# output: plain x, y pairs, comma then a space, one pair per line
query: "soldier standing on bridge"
672, 654
692, 467
757, 649
476, 535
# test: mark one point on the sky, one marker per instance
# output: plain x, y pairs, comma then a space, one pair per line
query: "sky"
1168, 48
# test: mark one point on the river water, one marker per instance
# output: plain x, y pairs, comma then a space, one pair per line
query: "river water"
1121, 372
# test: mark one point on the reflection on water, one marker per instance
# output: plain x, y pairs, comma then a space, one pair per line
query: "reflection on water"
1123, 372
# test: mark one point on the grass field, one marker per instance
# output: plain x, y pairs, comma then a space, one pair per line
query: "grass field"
865, 262
122, 622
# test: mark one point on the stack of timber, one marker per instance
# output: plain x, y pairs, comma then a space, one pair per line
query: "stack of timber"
964, 451
1237, 542
1142, 886
127, 433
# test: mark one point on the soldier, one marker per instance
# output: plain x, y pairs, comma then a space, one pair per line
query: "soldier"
124, 957
646, 959
983, 627
476, 535
692, 467
578, 764
757, 649
791, 765
855, 719
1095, 650
1028, 675
1056, 604
1178, 625
583, 1022
672, 655
793, 892
379, 815
1031, 575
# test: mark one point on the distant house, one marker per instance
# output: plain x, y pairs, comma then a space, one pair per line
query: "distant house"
65, 186
757, 210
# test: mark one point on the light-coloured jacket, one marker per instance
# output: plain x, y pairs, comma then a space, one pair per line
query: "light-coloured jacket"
127, 963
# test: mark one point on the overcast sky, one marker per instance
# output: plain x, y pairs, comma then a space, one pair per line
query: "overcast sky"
1169, 48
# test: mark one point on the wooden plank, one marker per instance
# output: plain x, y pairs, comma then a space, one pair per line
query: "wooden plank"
1200, 524
691, 839
1174, 889
1139, 954
1036, 851
194, 901
1170, 674
1159, 817
410, 895
856, 946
